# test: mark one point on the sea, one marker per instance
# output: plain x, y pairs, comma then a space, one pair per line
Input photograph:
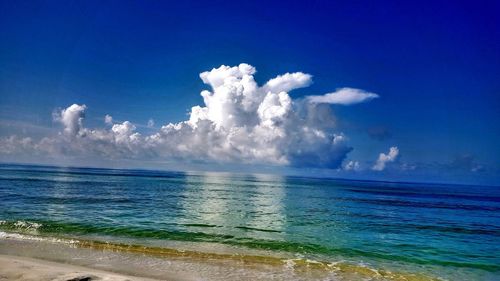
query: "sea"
225, 226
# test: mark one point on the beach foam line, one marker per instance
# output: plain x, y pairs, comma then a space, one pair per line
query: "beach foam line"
18, 236
296, 264
60, 229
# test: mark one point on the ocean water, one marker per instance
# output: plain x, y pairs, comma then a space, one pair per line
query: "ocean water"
310, 228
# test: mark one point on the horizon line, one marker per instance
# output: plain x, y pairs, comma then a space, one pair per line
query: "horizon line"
244, 173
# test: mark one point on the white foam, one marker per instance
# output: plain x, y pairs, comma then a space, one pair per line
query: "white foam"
27, 225
17, 236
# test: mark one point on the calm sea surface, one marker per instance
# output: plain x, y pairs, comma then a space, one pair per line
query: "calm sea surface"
446, 231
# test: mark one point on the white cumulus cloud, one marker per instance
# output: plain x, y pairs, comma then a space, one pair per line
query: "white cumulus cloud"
239, 121
383, 159
71, 118
344, 96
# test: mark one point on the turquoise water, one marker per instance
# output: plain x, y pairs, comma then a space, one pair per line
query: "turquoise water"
446, 231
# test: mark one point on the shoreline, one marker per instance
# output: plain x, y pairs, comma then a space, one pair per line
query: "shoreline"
37, 257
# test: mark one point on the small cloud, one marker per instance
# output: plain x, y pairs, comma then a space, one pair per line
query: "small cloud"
352, 166
108, 119
288, 82
339, 138
151, 123
383, 159
344, 96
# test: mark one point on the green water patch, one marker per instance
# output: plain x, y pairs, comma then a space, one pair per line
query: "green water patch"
60, 229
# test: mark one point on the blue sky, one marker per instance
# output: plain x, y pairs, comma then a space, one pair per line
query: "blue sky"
434, 65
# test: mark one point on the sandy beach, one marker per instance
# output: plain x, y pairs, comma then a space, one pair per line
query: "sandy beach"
26, 269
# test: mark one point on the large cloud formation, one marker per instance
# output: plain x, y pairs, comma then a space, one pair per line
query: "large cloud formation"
239, 122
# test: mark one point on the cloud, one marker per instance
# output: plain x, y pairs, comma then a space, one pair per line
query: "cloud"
352, 166
151, 123
339, 138
125, 132
383, 159
108, 120
344, 96
71, 118
14, 144
288, 82
239, 122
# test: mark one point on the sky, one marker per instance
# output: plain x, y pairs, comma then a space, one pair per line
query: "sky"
385, 90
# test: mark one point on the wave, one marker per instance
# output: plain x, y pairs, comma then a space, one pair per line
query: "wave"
295, 264
50, 229
21, 225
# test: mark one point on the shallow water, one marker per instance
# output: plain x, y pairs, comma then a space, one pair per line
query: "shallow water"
446, 231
